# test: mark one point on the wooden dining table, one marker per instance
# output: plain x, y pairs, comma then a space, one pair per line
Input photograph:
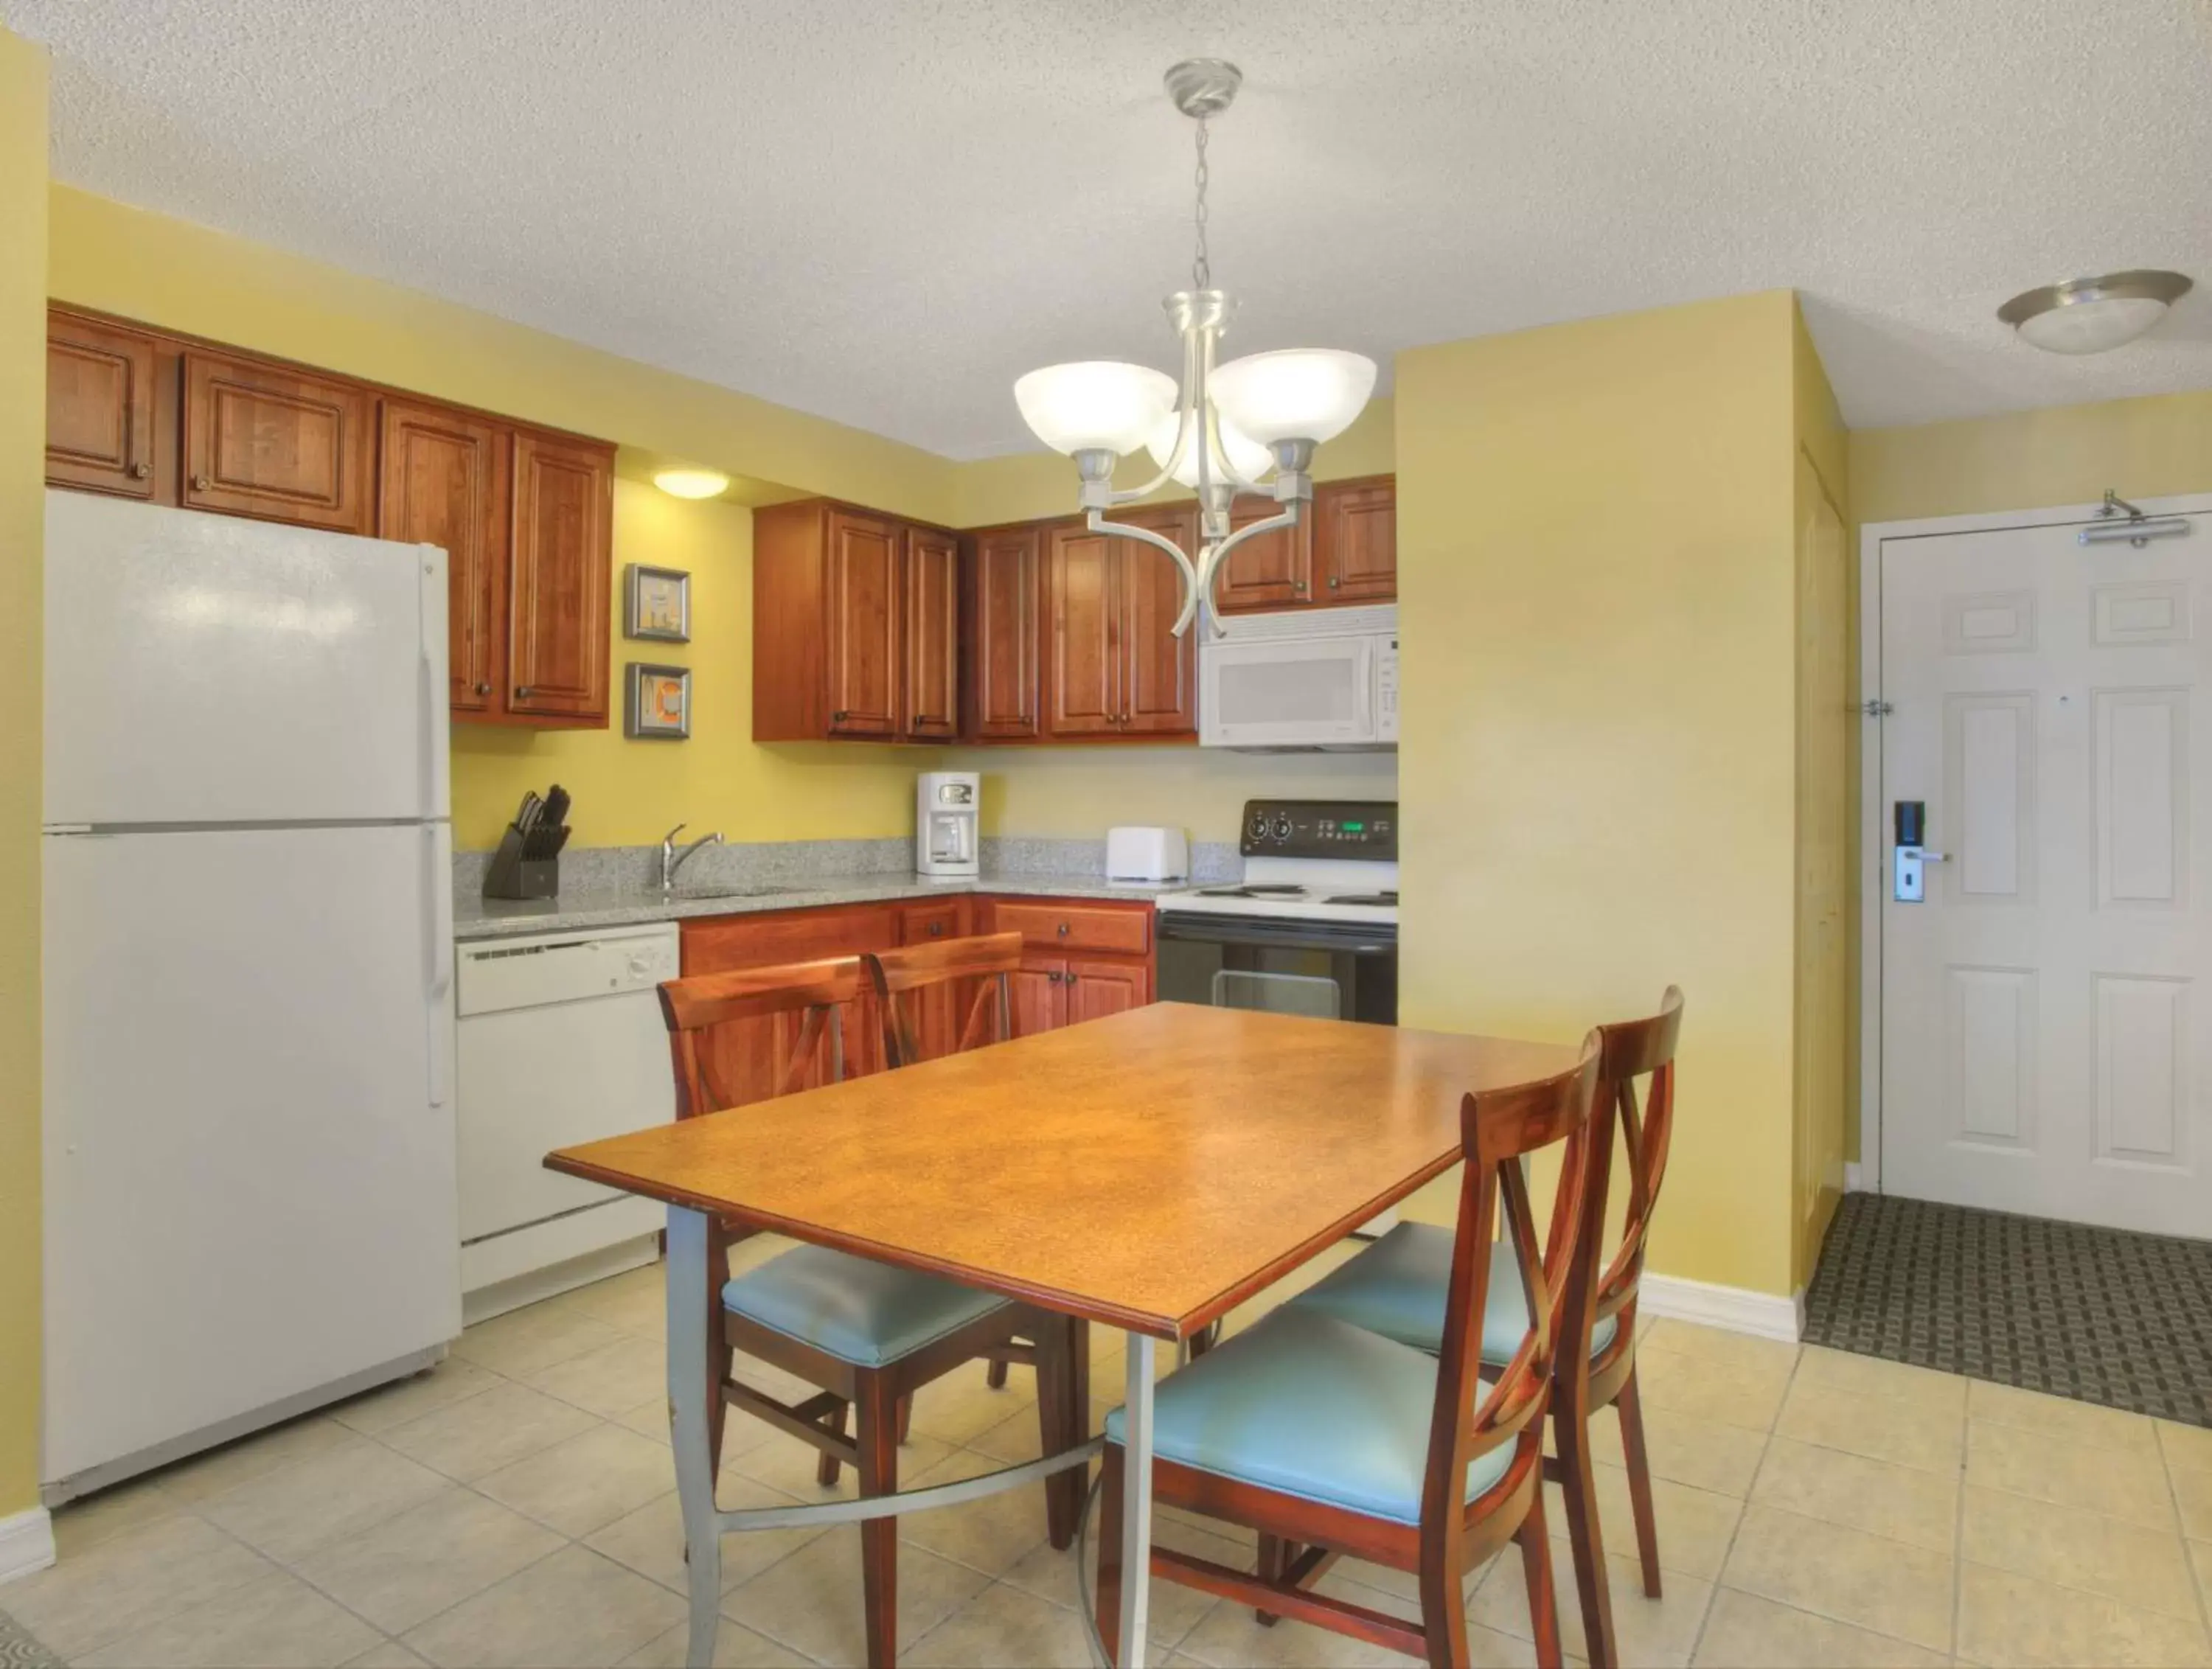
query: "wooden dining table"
1148, 1171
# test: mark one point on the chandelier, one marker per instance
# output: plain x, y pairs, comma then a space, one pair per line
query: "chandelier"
1225, 428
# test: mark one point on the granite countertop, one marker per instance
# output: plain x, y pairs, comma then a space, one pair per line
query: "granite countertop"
475, 917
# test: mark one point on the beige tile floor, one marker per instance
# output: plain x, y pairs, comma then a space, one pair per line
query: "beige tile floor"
515, 1506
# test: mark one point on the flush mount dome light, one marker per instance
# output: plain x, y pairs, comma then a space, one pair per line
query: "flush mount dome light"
692, 483
2092, 315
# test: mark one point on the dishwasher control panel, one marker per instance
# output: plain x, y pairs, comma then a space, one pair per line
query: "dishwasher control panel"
535, 969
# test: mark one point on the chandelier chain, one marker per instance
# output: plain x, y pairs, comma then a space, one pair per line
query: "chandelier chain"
1201, 267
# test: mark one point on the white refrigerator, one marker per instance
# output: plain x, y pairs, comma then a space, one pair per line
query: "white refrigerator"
248, 1017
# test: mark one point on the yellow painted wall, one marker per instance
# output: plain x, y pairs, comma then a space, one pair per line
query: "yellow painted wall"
630, 792
2152, 447
1827, 735
1596, 578
22, 527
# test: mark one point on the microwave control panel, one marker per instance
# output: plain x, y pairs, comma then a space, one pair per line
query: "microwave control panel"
1319, 828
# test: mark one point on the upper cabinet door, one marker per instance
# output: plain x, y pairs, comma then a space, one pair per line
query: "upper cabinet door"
1274, 571
1082, 680
444, 481
560, 561
1002, 640
1160, 670
1356, 539
863, 600
932, 634
100, 407
278, 444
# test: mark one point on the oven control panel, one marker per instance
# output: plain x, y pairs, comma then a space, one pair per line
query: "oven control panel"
1319, 828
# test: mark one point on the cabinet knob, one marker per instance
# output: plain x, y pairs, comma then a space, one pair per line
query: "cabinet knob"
483, 689
1053, 979
1070, 976
1334, 580
936, 928
525, 693
1063, 929
199, 483
1299, 586
140, 472
839, 717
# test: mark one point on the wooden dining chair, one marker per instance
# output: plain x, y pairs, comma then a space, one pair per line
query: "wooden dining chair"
869, 1334
1398, 1288
990, 960
1329, 1440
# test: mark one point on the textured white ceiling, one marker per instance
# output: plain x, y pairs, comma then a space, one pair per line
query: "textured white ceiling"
884, 210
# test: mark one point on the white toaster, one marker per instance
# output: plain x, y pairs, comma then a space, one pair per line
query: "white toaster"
1146, 857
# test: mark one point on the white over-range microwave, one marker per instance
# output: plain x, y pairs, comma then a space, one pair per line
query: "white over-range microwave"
1316, 678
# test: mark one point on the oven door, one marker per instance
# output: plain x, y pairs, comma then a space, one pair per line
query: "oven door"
1326, 970
1287, 693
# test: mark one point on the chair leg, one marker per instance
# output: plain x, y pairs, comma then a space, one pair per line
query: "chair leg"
1058, 1427
1536, 1567
1205, 1339
1109, 1596
995, 1375
1442, 1582
875, 1422
825, 1468
1639, 1481
1274, 1558
1570, 1432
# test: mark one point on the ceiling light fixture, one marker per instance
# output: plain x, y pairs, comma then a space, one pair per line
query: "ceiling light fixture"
2093, 315
1219, 432
688, 484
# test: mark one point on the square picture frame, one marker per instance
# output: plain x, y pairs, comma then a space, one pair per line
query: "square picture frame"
656, 603
656, 702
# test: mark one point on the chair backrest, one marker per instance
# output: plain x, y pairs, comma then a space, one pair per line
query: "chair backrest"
694, 1007
1638, 1049
992, 958
1496, 1127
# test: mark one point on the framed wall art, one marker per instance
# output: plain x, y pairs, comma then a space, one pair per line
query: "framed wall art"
657, 603
657, 702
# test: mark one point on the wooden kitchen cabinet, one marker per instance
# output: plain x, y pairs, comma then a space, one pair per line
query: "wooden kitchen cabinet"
1001, 585
745, 1057
855, 626
278, 444
559, 578
1356, 540
443, 480
1111, 666
1052, 992
1081, 958
932, 635
524, 515
937, 1012
1272, 571
102, 406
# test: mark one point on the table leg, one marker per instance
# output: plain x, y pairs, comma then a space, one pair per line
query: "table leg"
688, 1345
1136, 1502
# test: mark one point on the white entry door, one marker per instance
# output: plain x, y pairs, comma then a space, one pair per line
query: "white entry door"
2047, 1015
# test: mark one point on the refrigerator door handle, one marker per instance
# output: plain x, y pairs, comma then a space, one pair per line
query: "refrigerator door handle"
438, 935
432, 628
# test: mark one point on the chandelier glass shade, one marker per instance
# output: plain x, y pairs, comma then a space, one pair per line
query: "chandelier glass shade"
1247, 426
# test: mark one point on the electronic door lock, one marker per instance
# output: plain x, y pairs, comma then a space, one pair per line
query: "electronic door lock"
1909, 878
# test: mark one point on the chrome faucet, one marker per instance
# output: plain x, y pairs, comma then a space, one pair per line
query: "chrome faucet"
674, 858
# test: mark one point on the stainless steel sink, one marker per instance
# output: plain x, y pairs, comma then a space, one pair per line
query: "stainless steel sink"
682, 895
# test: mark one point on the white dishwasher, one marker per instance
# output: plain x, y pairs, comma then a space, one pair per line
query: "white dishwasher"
560, 1042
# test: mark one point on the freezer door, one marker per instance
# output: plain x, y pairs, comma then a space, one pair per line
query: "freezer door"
204, 668
249, 1135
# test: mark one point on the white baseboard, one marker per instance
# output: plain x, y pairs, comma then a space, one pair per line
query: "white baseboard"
26, 1543
1736, 1309
1855, 1178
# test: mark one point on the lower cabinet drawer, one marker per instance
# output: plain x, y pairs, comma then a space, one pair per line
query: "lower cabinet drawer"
1124, 929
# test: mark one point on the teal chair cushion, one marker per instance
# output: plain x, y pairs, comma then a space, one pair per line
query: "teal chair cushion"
860, 1311
1396, 1288
1312, 1407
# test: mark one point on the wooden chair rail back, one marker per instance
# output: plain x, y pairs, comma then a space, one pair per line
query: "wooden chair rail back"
992, 958
1636, 1049
1497, 1128
694, 1006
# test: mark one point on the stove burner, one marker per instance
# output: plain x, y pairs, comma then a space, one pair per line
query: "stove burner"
1389, 898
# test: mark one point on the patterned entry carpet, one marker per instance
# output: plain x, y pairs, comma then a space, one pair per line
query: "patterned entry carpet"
19, 1648
2098, 1315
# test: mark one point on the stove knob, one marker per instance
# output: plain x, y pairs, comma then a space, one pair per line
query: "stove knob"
1282, 828
1259, 828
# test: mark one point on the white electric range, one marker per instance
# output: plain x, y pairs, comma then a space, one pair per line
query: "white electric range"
1311, 929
